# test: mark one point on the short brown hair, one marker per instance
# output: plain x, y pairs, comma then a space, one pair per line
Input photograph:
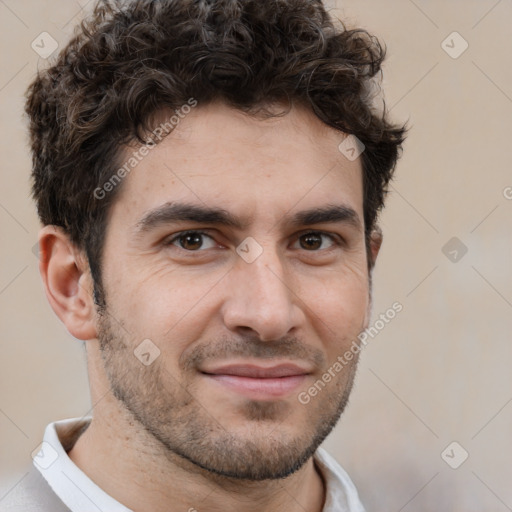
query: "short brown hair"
131, 59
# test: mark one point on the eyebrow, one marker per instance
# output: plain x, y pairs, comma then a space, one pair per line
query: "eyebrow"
175, 212
326, 214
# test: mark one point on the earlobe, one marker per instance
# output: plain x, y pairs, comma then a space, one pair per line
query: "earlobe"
67, 281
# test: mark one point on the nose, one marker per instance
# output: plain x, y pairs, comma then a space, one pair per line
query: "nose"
261, 299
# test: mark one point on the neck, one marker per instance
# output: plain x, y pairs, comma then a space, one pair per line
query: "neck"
140, 473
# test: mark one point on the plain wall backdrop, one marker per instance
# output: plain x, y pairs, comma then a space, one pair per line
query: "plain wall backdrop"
439, 372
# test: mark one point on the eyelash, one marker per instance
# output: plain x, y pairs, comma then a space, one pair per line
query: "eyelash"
335, 239
182, 234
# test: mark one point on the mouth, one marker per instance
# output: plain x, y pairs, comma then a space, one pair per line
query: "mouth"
257, 382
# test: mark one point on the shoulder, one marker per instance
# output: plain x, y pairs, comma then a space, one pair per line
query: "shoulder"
32, 494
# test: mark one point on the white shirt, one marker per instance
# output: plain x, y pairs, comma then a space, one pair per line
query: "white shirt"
80, 494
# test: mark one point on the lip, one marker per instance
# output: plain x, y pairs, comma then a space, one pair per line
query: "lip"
259, 372
257, 382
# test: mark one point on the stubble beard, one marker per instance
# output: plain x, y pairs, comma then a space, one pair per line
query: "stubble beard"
169, 413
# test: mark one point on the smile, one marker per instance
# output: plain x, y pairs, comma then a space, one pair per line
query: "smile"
259, 383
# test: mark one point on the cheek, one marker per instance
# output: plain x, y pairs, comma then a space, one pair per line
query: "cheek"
339, 306
163, 304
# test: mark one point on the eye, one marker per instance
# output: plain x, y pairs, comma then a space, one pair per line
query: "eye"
192, 241
316, 240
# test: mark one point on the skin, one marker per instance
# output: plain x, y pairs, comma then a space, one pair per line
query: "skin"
164, 436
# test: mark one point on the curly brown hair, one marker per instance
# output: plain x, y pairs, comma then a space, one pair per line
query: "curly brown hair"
131, 59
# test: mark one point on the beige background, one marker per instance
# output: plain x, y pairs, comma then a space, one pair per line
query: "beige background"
440, 371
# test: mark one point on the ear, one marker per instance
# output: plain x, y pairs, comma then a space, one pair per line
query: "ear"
375, 243
67, 281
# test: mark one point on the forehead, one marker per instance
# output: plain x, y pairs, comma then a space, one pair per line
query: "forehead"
218, 156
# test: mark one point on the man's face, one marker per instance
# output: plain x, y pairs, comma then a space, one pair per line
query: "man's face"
239, 336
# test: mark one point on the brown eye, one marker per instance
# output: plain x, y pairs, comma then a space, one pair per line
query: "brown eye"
192, 241
315, 241
311, 241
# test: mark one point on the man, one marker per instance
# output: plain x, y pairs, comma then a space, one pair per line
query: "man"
209, 175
